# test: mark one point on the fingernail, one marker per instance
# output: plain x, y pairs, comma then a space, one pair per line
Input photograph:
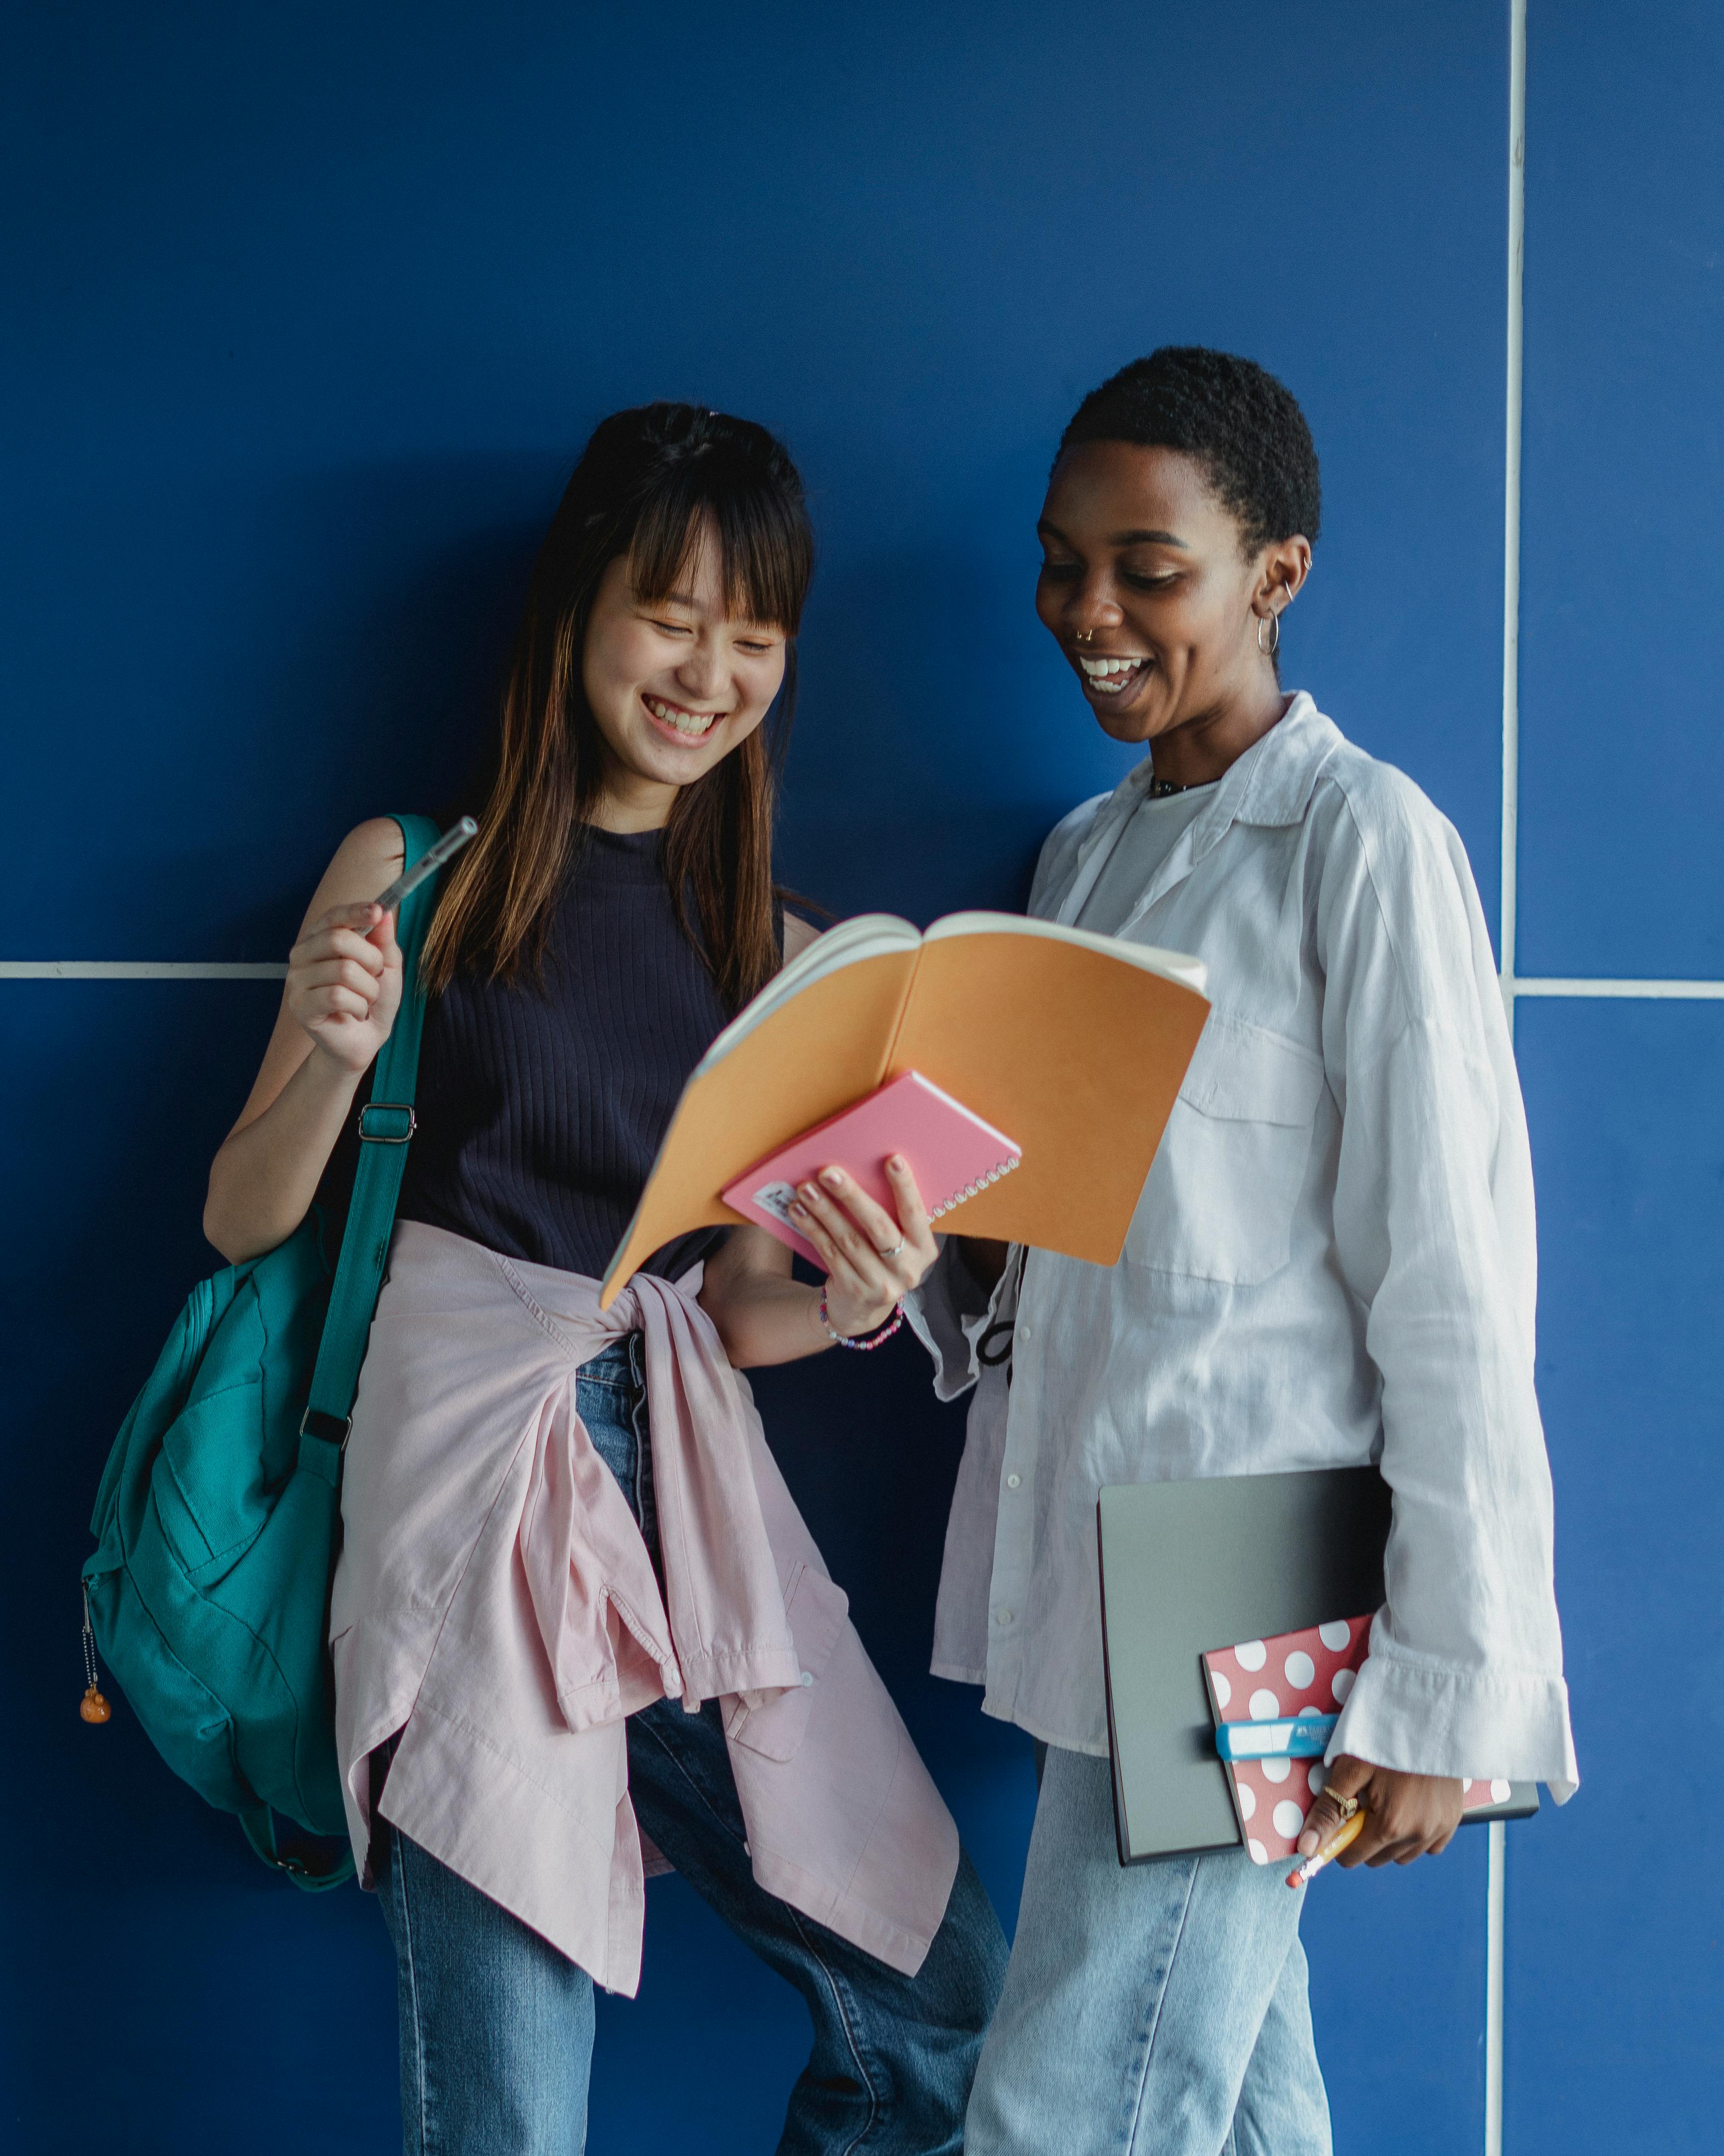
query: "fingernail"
898, 1161
809, 1193
833, 1177
799, 1211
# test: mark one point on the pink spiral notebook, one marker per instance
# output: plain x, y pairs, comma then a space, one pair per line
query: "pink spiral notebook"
1298, 1673
952, 1152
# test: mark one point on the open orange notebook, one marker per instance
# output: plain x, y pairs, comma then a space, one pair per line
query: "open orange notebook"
1074, 1043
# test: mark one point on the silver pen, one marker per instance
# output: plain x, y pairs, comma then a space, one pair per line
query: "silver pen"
428, 863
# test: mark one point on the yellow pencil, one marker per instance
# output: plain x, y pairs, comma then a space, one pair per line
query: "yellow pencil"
1343, 1837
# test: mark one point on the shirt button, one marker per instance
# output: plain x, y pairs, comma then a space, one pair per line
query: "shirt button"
1013, 1480
1003, 1615
807, 1677
1023, 1331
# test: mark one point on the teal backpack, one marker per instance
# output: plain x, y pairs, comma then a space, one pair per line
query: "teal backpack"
219, 1515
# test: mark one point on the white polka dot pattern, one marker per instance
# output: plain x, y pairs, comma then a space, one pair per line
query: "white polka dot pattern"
1317, 1669
1306, 1670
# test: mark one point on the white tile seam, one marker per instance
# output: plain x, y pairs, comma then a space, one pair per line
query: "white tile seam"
142, 969
137, 969
1496, 1856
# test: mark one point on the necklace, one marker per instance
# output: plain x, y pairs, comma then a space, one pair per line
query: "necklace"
1162, 789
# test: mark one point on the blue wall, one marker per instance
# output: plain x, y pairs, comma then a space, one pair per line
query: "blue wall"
309, 314
1615, 1978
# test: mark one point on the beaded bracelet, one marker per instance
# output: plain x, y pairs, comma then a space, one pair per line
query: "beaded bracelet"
874, 1339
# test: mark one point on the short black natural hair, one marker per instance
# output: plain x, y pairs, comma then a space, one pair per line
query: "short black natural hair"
1243, 427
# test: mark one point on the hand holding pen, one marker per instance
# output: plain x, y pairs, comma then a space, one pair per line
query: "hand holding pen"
1393, 1817
344, 974
1324, 1852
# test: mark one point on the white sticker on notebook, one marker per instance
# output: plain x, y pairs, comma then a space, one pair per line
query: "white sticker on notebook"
775, 1198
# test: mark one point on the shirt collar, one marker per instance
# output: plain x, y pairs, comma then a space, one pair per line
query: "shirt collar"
1271, 783
1275, 775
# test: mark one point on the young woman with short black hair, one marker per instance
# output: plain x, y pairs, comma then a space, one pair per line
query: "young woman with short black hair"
1332, 1262
575, 1594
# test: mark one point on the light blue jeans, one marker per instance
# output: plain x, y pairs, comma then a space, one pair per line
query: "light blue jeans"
1159, 2010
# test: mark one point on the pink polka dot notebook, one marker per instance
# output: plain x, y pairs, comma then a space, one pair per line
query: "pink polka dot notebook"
1309, 1672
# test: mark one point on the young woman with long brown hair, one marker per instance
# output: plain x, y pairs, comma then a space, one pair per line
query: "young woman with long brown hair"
575, 1594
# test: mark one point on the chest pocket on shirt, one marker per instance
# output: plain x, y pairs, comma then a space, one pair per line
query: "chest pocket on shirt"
818, 1609
1218, 1202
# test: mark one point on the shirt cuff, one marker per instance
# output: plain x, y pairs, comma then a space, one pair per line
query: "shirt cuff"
1423, 1719
936, 1318
935, 1311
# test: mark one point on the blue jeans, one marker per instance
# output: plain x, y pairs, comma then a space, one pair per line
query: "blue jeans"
1159, 2010
496, 2026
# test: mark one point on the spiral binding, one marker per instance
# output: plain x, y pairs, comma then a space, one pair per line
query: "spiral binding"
973, 1189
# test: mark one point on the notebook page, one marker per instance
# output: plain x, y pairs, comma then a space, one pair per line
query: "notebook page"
1170, 965
864, 936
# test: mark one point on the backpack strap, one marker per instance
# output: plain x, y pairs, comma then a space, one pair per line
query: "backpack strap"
386, 1124
312, 1866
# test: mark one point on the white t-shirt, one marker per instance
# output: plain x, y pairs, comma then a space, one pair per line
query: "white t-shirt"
1150, 836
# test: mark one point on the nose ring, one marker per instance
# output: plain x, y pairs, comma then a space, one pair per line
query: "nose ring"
1085, 635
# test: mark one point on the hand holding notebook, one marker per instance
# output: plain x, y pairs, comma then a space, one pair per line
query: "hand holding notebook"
1038, 1062
1268, 1698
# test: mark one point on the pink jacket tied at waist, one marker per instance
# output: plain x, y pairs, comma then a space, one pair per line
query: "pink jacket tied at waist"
496, 1604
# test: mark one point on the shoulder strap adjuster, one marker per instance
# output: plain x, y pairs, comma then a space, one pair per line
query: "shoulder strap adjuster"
397, 1131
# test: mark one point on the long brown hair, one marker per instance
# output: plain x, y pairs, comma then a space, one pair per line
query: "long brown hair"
650, 482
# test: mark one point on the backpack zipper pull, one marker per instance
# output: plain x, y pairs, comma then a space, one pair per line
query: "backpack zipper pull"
95, 1708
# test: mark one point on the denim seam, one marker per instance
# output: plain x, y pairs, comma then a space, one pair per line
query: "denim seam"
701, 1795
399, 1856
1155, 2018
833, 1984
843, 2004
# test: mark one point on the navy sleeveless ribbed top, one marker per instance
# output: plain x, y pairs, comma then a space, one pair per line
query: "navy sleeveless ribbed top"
542, 1106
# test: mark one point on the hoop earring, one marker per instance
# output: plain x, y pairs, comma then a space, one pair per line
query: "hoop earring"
1274, 645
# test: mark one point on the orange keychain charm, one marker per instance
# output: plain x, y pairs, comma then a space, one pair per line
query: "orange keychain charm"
94, 1707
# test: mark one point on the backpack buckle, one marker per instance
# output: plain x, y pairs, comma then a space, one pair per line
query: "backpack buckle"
333, 1429
399, 1133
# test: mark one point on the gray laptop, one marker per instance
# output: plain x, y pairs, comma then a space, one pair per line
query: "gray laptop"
1190, 1566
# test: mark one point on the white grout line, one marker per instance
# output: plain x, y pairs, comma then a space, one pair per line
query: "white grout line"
1509, 918
1496, 1858
1495, 1927
134, 969
1659, 991
144, 969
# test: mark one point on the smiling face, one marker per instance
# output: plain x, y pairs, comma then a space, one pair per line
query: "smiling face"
674, 685
1147, 589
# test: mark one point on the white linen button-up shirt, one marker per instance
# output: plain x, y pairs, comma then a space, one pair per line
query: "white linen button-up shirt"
1333, 1261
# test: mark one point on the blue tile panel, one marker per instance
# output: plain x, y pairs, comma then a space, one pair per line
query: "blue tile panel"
1615, 1984
1622, 742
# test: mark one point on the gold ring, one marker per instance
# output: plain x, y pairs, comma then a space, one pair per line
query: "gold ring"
1348, 1805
